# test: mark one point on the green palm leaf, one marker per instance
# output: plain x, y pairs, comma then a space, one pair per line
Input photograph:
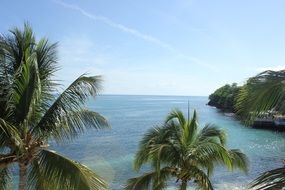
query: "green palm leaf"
5, 178
26, 91
46, 56
18, 45
263, 92
201, 179
211, 131
149, 179
61, 173
66, 105
190, 130
270, 180
74, 123
176, 115
239, 160
152, 142
211, 152
8, 134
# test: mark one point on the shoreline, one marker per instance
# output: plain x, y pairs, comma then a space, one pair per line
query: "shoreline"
257, 124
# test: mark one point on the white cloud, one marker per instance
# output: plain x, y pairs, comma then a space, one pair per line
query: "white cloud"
136, 33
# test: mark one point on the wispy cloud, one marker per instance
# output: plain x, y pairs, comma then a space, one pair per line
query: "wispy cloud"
135, 33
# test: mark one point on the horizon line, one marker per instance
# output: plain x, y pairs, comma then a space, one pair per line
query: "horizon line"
115, 94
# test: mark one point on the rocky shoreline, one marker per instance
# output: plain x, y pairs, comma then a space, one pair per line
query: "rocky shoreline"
259, 123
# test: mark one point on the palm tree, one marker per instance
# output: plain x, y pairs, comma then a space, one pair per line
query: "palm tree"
264, 92
180, 149
32, 113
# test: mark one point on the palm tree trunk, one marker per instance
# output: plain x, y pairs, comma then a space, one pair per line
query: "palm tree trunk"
23, 176
183, 185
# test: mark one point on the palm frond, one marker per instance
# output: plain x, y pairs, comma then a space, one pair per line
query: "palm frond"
273, 179
263, 92
239, 160
153, 140
74, 123
71, 100
5, 178
150, 138
46, 58
5, 80
20, 43
189, 130
60, 173
148, 180
211, 131
47, 63
211, 152
201, 179
8, 134
176, 115
26, 90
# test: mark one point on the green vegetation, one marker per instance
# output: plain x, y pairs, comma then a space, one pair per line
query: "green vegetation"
31, 115
224, 98
262, 93
179, 149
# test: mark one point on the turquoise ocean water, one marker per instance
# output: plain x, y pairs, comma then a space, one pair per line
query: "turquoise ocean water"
110, 152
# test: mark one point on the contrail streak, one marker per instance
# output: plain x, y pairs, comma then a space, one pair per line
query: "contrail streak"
135, 33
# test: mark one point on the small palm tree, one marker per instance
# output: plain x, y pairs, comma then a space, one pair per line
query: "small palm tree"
32, 112
180, 149
264, 92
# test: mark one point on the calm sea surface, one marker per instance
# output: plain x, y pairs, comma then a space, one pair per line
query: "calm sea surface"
110, 152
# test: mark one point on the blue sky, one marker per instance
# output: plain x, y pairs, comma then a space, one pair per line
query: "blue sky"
162, 47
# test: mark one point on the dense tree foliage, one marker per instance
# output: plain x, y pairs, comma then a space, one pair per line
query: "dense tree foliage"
225, 97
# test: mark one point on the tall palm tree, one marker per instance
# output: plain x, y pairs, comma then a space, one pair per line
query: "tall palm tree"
181, 150
32, 112
264, 92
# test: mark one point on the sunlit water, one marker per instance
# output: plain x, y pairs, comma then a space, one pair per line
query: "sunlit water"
110, 152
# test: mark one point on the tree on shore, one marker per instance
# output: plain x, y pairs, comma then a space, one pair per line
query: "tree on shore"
32, 112
264, 92
225, 97
179, 149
